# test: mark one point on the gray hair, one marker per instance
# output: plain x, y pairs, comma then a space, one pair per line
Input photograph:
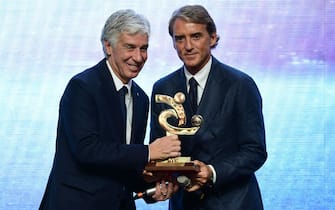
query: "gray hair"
121, 21
194, 14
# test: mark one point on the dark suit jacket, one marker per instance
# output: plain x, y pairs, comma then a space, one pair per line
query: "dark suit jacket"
231, 137
93, 167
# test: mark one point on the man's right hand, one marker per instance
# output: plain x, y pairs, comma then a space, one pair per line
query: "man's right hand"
165, 147
164, 190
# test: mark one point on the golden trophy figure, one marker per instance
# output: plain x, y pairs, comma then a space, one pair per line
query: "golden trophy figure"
179, 165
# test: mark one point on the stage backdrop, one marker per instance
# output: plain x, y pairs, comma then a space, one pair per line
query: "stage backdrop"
288, 47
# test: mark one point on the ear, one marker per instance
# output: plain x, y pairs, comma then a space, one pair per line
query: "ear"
213, 39
108, 47
174, 44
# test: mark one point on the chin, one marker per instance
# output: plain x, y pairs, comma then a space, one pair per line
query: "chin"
133, 75
191, 65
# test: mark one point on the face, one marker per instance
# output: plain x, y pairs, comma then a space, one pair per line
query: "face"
128, 56
193, 44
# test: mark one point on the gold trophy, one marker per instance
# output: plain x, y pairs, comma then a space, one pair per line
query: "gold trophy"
178, 165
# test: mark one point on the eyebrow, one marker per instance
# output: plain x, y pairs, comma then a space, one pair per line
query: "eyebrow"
193, 34
134, 45
179, 36
196, 34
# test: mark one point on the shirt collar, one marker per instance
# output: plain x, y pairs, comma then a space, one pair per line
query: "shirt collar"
202, 75
118, 83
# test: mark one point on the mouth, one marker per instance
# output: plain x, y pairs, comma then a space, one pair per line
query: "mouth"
190, 54
134, 67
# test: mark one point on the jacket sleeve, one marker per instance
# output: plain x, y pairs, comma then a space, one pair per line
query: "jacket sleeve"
248, 139
87, 138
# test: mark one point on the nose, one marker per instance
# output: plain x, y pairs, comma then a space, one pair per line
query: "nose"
188, 44
139, 56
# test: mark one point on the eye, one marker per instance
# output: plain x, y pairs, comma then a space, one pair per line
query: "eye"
196, 36
129, 46
179, 38
144, 49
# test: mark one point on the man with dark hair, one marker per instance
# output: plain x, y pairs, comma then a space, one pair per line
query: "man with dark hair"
230, 144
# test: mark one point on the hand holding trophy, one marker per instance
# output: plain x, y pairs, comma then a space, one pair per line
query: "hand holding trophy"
178, 166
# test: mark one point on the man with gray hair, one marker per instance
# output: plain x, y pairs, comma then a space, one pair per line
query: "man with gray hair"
100, 155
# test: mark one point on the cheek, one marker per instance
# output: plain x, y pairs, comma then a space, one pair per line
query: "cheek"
179, 50
177, 47
145, 56
205, 47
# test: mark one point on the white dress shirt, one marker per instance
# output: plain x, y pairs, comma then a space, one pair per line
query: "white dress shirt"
201, 77
128, 100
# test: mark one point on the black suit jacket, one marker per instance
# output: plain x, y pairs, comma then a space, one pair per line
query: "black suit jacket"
231, 137
93, 167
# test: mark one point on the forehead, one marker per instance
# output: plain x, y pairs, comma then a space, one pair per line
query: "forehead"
181, 26
138, 39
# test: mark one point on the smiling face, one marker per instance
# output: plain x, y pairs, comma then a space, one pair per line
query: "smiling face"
128, 55
193, 44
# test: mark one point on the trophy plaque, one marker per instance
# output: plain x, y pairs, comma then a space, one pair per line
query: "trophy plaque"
178, 165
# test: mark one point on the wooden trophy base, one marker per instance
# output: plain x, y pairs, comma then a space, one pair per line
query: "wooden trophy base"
172, 167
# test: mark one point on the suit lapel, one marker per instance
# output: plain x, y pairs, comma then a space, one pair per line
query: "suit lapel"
136, 112
113, 108
213, 95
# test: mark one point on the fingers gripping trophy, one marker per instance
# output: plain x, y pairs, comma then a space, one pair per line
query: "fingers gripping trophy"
179, 166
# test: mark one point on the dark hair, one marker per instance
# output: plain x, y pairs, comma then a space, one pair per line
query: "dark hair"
194, 14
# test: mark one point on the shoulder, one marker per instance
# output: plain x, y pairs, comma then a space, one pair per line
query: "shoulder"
92, 76
171, 80
91, 73
139, 91
229, 73
88, 80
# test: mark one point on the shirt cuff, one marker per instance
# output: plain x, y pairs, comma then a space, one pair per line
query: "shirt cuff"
214, 173
148, 154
